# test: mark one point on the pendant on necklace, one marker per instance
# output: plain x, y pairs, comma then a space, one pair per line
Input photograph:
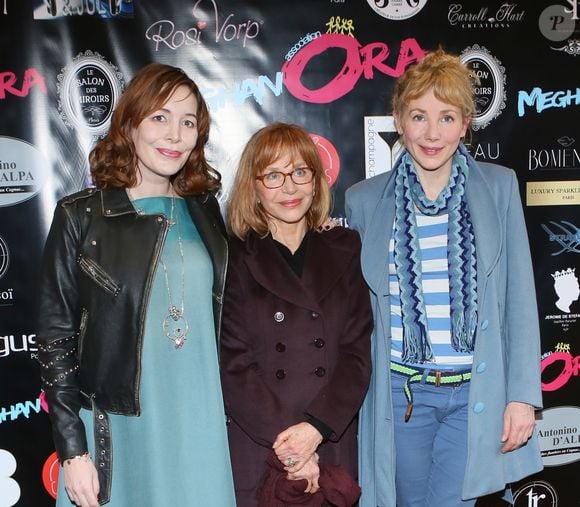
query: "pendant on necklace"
175, 326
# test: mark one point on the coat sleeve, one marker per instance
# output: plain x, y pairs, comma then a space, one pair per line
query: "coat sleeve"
339, 401
249, 400
354, 215
521, 313
58, 334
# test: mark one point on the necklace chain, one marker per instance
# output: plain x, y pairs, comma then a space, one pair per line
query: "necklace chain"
175, 325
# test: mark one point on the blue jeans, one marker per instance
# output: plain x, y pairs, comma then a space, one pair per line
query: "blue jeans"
432, 446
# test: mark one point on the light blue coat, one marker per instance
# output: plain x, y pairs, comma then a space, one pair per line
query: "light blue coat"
506, 360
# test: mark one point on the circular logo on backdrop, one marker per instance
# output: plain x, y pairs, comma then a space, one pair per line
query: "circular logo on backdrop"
397, 9
4, 257
50, 475
88, 91
22, 171
329, 157
537, 493
490, 94
556, 24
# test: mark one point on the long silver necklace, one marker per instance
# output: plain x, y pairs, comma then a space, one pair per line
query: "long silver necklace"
175, 325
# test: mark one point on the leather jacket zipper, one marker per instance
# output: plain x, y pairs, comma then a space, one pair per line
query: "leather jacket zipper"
98, 275
220, 297
146, 295
82, 329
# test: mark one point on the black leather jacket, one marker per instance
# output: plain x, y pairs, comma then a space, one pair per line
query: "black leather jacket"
98, 268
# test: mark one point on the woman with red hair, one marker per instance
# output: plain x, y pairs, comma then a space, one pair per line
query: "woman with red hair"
130, 307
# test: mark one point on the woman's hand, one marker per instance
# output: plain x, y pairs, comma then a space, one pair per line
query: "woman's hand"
81, 481
309, 471
296, 445
518, 425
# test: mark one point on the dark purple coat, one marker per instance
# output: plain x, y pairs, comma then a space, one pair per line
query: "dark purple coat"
293, 347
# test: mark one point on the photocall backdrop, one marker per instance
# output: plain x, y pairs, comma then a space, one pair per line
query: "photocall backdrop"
328, 65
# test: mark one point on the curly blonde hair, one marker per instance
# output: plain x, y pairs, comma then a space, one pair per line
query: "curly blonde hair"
449, 78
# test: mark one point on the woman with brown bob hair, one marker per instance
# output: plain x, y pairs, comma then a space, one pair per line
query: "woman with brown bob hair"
295, 336
244, 211
130, 306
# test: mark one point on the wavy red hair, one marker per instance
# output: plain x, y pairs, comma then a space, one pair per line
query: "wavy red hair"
113, 160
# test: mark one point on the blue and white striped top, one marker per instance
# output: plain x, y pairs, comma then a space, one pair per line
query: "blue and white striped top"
432, 233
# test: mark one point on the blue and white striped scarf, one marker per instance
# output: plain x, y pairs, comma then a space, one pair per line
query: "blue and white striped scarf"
461, 257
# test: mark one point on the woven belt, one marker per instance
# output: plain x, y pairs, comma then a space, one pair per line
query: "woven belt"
427, 376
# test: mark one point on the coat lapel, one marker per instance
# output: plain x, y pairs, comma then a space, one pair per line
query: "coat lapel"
375, 247
486, 224
327, 257
324, 263
271, 271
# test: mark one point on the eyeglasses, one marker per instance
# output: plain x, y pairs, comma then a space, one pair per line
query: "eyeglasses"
275, 179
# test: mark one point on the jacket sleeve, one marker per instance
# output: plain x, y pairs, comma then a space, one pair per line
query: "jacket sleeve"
245, 391
339, 401
58, 334
521, 312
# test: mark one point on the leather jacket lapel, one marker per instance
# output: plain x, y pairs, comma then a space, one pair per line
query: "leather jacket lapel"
212, 231
115, 202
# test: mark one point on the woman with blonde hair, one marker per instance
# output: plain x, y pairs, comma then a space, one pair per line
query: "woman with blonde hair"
295, 336
449, 415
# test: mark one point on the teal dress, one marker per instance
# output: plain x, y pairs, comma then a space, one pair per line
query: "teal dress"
175, 453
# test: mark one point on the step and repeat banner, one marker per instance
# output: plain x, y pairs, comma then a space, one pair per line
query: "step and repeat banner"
330, 66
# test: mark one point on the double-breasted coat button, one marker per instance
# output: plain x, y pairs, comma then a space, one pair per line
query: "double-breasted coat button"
280, 374
320, 371
314, 315
280, 347
319, 343
278, 316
